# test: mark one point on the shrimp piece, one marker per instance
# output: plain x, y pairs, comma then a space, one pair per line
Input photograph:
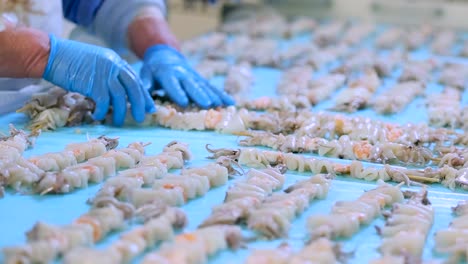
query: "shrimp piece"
213, 117
362, 150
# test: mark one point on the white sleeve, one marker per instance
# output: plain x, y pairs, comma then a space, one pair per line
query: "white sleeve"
113, 18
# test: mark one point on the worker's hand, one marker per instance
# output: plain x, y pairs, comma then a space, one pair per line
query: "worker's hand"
100, 74
166, 68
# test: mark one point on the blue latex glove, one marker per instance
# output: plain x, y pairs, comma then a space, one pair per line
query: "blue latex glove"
169, 70
100, 74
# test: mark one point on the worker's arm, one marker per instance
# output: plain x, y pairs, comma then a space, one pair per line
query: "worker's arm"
140, 26
23, 51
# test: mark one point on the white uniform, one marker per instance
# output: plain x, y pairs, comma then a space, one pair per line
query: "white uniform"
45, 15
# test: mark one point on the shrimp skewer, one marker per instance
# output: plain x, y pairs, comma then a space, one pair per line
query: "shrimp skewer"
398, 97
359, 93
146, 172
407, 227
74, 153
454, 75
329, 34
444, 109
389, 39
197, 246
299, 26
209, 68
321, 250
239, 80
446, 175
274, 216
419, 71
341, 148
160, 227
244, 195
443, 42
93, 170
347, 216
47, 242
452, 240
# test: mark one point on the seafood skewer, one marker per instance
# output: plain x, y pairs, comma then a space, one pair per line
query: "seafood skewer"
347, 216
273, 217
94, 170
344, 147
444, 109
204, 43
260, 52
197, 246
46, 242
239, 80
29, 172
389, 39
358, 93
329, 34
454, 75
299, 26
443, 42
453, 240
12, 148
209, 68
125, 184
321, 250
398, 97
406, 227
74, 153
416, 37
420, 71
357, 33
245, 195
160, 227
448, 176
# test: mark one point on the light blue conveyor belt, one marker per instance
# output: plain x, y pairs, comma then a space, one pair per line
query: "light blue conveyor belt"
18, 213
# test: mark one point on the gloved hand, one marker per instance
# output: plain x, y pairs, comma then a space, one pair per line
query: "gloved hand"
169, 70
100, 74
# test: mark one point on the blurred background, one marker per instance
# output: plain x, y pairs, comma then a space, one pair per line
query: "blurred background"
190, 18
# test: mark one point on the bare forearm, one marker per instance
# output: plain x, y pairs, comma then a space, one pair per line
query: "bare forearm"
150, 28
23, 52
